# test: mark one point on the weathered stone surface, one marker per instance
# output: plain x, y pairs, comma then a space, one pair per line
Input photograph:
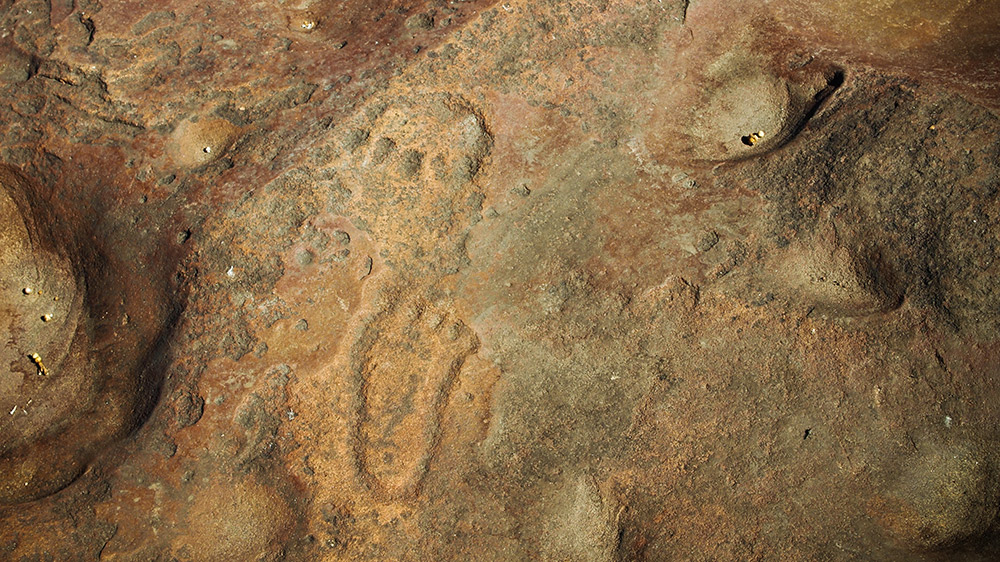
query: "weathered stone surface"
943, 41
499, 281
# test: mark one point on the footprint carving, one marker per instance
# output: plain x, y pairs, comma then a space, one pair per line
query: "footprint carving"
404, 362
410, 163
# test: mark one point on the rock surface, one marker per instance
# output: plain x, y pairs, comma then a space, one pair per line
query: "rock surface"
503, 281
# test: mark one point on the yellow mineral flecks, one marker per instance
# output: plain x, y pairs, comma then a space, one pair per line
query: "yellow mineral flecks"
303, 21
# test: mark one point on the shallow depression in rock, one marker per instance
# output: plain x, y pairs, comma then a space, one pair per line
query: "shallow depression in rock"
73, 379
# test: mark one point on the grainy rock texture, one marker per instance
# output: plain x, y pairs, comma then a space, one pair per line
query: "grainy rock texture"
557, 280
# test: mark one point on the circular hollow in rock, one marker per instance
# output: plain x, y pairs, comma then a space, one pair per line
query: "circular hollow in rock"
75, 351
201, 140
